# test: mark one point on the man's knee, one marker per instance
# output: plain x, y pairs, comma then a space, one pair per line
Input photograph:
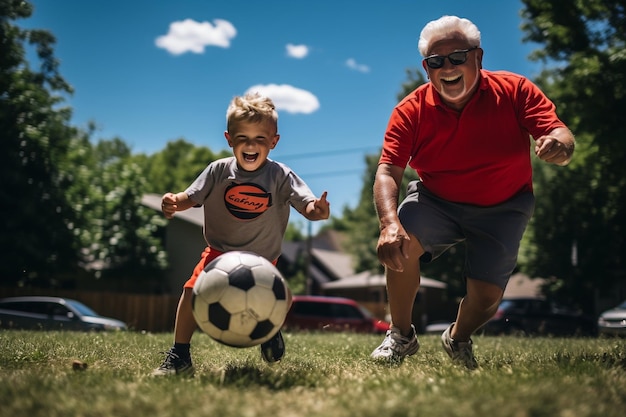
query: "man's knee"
483, 293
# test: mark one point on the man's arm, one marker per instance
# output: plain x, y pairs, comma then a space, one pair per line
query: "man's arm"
557, 147
393, 240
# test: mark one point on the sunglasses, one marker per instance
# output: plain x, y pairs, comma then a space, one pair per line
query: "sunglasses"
455, 58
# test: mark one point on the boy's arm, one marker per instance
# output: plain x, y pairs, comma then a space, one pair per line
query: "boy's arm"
171, 203
318, 209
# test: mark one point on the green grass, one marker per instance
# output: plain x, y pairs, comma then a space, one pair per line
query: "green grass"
321, 375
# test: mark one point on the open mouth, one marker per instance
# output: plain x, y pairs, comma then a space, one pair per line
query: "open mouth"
250, 157
451, 80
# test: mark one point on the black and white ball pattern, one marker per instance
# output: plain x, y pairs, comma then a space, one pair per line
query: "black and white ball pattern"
240, 299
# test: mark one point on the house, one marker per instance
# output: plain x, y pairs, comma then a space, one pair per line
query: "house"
369, 289
184, 242
521, 285
330, 271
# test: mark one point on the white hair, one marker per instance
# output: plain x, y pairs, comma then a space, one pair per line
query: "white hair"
448, 27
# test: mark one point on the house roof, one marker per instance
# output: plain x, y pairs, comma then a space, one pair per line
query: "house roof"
194, 215
368, 280
521, 285
339, 264
332, 267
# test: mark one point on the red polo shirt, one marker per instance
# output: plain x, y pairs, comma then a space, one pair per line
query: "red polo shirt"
479, 156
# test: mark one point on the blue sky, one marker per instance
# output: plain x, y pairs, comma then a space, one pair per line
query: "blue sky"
152, 71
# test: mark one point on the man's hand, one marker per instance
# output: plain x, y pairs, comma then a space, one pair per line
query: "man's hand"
393, 246
556, 147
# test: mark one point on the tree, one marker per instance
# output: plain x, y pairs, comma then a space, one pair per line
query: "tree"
71, 209
36, 240
175, 167
580, 220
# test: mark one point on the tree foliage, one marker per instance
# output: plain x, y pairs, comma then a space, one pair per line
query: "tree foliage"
577, 233
580, 221
71, 208
175, 167
35, 138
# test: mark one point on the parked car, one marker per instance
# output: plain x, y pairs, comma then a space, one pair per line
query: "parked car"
613, 322
310, 312
436, 327
537, 316
52, 313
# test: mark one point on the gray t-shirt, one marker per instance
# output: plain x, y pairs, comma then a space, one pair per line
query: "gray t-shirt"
246, 210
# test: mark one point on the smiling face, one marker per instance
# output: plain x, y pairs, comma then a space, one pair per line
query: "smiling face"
455, 83
252, 142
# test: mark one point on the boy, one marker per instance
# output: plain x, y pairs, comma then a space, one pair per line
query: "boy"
246, 199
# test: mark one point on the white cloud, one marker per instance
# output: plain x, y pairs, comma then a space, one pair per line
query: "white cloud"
352, 64
288, 98
297, 51
191, 36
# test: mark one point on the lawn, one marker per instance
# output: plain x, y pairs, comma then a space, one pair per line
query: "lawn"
322, 375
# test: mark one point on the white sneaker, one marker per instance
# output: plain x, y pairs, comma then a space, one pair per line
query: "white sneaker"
460, 352
395, 347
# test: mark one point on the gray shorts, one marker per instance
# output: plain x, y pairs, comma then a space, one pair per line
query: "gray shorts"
491, 235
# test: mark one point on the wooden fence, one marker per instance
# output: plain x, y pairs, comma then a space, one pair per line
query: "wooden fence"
151, 313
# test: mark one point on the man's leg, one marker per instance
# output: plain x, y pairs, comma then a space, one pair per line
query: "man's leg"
402, 287
401, 340
476, 308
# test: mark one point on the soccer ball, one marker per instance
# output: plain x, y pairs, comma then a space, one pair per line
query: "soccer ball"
240, 299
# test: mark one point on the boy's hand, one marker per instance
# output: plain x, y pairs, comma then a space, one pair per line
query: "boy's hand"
169, 204
320, 209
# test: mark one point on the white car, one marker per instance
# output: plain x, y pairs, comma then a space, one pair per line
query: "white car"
613, 322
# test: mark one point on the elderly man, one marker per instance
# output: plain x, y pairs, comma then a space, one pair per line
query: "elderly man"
467, 133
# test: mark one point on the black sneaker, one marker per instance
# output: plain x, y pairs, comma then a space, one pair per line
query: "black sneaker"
274, 349
174, 365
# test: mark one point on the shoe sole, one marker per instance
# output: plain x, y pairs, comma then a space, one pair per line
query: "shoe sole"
186, 372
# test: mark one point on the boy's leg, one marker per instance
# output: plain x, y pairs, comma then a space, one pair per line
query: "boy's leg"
185, 324
178, 359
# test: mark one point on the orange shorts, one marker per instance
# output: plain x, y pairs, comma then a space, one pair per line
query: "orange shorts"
207, 256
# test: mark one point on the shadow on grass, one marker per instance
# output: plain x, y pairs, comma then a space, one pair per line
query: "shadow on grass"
274, 377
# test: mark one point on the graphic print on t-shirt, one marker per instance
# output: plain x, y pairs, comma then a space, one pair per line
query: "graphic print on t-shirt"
247, 201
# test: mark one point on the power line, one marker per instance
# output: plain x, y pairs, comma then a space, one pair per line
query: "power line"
332, 173
327, 153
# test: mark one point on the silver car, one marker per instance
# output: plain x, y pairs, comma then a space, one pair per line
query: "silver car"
52, 313
613, 321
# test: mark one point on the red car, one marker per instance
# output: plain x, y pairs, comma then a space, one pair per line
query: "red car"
311, 312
